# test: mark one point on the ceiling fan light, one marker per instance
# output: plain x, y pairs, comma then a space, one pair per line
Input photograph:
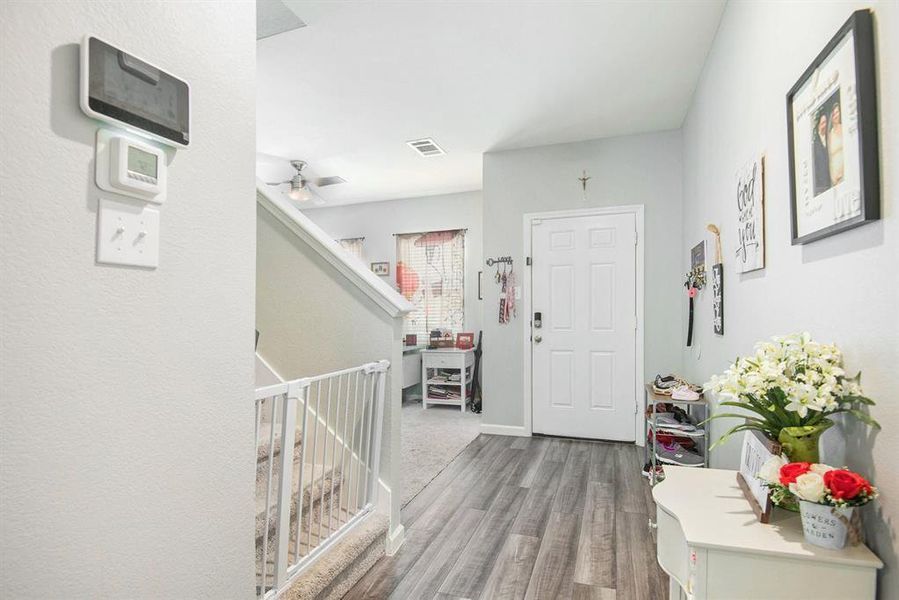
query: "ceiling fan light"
298, 190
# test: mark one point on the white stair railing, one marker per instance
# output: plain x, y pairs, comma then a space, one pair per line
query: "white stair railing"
318, 444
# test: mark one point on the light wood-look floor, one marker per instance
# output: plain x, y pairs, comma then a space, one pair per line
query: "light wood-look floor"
533, 518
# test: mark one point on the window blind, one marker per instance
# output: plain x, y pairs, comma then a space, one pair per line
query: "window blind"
430, 273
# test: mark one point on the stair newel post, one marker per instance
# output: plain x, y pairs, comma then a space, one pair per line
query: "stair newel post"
285, 489
381, 369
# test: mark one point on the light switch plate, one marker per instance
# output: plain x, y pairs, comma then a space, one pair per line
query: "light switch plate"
127, 233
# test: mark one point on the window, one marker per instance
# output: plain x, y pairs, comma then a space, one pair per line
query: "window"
353, 246
430, 273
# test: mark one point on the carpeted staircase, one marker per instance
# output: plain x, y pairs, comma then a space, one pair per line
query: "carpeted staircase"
325, 500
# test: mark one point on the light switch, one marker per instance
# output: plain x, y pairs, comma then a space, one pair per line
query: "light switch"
127, 233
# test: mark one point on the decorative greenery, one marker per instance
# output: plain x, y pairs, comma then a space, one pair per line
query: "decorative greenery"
790, 381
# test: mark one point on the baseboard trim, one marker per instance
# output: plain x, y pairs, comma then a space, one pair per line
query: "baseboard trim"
395, 539
516, 430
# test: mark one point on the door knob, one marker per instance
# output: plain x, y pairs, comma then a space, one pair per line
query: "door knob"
538, 339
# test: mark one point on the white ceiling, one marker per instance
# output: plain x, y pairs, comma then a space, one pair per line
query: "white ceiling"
348, 90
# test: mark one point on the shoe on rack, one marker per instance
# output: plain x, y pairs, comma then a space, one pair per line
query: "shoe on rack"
661, 413
670, 438
660, 471
685, 394
666, 381
681, 416
670, 421
660, 408
677, 454
661, 391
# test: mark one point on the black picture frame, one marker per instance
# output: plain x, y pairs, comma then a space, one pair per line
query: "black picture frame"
861, 26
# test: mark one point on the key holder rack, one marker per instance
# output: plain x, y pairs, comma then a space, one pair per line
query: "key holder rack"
500, 259
696, 277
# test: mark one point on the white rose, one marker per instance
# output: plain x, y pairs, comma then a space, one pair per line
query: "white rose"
809, 486
770, 471
821, 469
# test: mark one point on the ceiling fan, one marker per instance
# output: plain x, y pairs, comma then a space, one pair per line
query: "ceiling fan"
300, 187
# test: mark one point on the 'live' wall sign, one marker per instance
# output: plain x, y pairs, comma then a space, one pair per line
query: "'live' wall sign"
750, 251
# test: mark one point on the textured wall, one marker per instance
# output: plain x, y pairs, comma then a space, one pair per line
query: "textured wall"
379, 221
843, 289
126, 416
298, 338
642, 169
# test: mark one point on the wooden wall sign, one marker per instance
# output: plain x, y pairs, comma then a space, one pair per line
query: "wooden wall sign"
757, 449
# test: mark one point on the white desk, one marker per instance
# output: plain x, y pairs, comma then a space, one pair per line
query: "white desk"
411, 365
446, 361
713, 547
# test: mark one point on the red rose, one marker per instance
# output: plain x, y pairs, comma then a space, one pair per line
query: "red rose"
790, 471
845, 485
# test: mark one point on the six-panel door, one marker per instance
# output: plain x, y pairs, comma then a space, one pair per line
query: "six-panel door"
584, 354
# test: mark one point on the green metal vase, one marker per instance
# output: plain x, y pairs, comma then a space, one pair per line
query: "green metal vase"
800, 444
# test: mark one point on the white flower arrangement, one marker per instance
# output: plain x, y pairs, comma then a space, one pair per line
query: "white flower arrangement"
790, 381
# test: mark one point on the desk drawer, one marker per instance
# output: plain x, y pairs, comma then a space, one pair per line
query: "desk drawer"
448, 360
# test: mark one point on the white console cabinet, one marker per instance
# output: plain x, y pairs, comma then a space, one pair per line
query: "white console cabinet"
446, 376
713, 547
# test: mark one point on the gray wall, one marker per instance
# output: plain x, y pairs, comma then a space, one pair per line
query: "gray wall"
298, 338
843, 289
126, 395
642, 169
379, 221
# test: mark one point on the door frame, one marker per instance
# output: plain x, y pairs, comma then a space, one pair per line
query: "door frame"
635, 209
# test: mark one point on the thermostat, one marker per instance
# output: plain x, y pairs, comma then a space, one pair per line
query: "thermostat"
128, 166
120, 88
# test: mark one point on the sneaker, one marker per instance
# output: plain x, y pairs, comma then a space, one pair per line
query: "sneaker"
670, 438
660, 471
671, 422
681, 416
660, 408
668, 381
684, 393
661, 413
677, 454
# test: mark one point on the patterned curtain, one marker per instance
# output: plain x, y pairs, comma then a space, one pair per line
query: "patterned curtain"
430, 273
353, 246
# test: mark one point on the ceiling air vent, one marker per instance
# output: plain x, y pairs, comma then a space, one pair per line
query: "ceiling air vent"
426, 147
326, 181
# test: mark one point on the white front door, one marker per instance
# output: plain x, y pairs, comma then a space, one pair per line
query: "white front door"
584, 351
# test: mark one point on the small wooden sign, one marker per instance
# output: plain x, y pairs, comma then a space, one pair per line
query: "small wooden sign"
757, 449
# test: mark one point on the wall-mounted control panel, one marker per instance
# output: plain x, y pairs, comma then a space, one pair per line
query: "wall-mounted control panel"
149, 110
130, 166
120, 88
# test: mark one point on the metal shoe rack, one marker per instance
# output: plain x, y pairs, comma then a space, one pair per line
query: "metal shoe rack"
697, 410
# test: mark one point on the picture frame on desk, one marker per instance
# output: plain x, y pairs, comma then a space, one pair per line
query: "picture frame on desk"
757, 449
465, 341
